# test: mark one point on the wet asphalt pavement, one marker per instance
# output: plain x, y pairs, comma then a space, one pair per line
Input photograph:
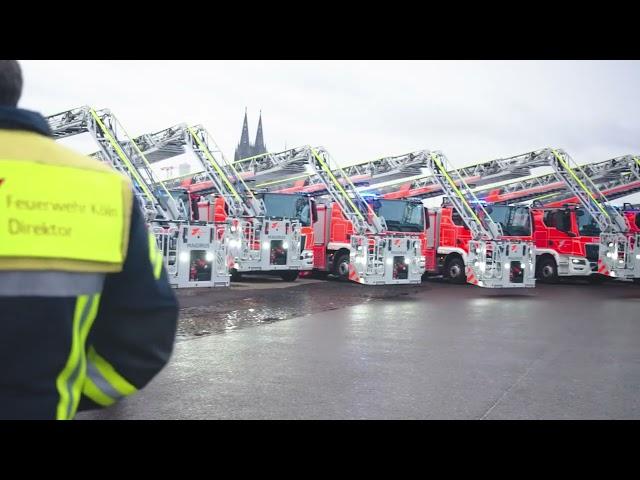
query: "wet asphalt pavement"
334, 350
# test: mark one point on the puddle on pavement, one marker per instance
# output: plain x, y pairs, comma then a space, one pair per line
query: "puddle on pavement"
222, 314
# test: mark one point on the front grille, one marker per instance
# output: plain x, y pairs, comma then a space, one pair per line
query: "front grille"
592, 250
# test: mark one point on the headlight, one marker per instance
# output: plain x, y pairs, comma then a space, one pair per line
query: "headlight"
285, 245
184, 257
609, 255
610, 244
209, 257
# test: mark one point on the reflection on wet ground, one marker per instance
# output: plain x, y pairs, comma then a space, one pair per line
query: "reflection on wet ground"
260, 300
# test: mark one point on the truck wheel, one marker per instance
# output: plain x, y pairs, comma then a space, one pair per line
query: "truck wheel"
547, 270
341, 265
289, 276
454, 270
236, 276
636, 281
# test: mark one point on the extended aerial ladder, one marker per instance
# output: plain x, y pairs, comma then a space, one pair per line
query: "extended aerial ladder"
375, 255
111, 137
178, 237
388, 175
381, 170
615, 246
259, 243
608, 174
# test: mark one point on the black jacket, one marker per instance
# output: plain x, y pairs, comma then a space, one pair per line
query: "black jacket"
134, 328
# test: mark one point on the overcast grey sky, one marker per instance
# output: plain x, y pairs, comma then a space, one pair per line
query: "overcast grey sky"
359, 110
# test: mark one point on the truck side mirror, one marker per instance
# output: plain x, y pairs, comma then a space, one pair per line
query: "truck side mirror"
427, 220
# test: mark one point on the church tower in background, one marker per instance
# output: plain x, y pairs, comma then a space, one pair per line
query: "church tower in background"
245, 148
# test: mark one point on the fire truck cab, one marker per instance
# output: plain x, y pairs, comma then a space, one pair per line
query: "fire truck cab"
286, 245
567, 242
448, 238
333, 247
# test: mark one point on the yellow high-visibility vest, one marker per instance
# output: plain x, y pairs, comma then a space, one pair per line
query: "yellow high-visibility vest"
60, 210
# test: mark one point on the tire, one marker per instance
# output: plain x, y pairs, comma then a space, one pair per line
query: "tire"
289, 276
454, 270
636, 281
547, 270
341, 265
236, 276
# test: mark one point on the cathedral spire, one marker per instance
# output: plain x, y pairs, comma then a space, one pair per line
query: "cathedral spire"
244, 147
259, 146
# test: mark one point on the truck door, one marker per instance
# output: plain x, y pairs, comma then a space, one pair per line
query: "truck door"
432, 237
559, 226
320, 238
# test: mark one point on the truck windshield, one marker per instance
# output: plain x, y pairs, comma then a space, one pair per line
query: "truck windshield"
286, 205
587, 225
515, 221
401, 215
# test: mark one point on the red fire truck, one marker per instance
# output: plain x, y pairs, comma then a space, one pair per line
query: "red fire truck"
268, 234
614, 179
580, 234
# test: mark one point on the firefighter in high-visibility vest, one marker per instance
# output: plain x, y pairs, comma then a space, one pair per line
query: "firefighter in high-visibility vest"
86, 313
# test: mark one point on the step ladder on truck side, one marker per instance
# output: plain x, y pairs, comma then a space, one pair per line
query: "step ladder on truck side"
565, 247
176, 236
351, 240
262, 241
